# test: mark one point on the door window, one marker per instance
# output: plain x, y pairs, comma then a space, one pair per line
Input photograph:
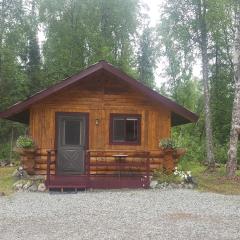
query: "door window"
72, 132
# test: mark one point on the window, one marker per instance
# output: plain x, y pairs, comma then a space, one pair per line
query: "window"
125, 129
72, 132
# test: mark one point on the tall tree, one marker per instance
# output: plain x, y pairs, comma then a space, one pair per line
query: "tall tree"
231, 166
34, 59
191, 30
80, 33
13, 79
146, 57
201, 12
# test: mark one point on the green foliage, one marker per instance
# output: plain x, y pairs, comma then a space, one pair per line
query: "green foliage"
178, 32
194, 146
25, 142
80, 33
221, 152
195, 167
167, 143
210, 182
147, 57
7, 154
163, 177
77, 34
5, 151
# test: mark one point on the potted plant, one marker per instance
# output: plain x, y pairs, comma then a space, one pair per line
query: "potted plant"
167, 144
25, 146
171, 153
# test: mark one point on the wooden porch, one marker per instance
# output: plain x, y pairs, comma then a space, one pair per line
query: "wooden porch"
104, 170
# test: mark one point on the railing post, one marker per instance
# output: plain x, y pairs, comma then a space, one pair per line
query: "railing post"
88, 169
148, 171
48, 166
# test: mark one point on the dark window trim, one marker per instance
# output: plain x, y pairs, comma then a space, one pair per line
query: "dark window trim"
125, 115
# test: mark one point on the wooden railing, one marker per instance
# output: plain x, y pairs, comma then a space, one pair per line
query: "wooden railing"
109, 169
49, 162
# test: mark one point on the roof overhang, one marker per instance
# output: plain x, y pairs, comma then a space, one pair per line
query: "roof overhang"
20, 111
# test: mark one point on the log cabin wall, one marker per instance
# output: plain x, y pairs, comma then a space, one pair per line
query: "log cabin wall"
100, 97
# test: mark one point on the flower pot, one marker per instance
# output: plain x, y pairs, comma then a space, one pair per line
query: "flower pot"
24, 151
27, 159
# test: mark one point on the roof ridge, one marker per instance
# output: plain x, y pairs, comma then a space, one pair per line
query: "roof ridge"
102, 64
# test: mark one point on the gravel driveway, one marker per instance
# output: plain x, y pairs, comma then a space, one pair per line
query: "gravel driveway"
138, 214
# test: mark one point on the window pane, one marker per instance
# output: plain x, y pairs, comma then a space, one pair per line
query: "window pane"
131, 130
72, 132
118, 130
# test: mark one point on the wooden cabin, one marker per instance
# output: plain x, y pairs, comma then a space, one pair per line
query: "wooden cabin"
99, 122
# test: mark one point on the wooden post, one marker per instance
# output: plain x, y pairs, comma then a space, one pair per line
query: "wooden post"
88, 168
148, 171
48, 166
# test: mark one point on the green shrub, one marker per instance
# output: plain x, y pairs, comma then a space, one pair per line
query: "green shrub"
221, 153
25, 142
5, 153
162, 177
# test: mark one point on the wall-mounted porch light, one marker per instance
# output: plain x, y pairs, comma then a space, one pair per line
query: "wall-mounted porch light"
97, 121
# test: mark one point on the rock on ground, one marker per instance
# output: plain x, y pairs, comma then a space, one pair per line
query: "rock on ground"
41, 187
139, 214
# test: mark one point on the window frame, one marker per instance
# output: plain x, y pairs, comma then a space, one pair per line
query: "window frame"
125, 116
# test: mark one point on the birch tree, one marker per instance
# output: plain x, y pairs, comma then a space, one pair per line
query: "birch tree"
203, 45
231, 166
186, 32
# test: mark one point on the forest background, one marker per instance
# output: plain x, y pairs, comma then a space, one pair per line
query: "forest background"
80, 33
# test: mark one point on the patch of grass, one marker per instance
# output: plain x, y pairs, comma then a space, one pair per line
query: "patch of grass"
212, 182
6, 180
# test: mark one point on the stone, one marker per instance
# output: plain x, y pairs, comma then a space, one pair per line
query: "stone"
27, 185
20, 173
42, 187
33, 188
37, 178
18, 185
153, 184
4, 163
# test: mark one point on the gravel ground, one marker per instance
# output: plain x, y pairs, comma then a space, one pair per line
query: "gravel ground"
138, 214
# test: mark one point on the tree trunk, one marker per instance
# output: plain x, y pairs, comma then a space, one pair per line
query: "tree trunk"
204, 47
235, 128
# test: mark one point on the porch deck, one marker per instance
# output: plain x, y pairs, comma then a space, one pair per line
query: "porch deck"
122, 174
